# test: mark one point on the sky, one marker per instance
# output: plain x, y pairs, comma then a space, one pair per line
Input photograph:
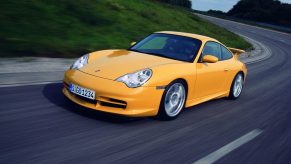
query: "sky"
223, 5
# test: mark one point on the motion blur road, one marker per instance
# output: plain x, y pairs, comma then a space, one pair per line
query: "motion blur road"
38, 125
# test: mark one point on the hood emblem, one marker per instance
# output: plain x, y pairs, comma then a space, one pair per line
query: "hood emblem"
97, 70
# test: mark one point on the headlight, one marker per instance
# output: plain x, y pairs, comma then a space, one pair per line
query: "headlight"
81, 62
136, 79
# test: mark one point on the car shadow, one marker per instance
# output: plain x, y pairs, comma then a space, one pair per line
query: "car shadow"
53, 92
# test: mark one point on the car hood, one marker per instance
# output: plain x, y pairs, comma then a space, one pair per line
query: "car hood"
112, 64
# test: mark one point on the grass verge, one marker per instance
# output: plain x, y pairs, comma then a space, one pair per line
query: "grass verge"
71, 28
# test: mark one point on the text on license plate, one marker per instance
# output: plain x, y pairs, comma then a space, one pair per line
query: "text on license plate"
84, 92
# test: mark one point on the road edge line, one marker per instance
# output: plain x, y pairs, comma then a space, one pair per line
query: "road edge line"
226, 149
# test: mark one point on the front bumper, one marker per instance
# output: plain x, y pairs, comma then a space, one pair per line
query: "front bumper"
112, 96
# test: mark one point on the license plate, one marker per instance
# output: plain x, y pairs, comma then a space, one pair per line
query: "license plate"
84, 92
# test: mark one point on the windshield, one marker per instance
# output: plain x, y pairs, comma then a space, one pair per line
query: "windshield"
169, 46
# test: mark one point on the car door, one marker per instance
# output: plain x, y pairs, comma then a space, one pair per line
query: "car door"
210, 76
227, 61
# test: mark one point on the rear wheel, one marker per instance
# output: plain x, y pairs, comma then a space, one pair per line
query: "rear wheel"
173, 100
236, 87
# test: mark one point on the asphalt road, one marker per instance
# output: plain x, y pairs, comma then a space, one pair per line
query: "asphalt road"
38, 125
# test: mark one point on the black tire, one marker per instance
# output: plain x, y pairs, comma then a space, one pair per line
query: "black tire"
232, 95
162, 114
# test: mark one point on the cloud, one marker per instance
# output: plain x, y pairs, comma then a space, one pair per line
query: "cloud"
286, 1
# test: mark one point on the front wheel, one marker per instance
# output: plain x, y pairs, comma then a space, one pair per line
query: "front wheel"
173, 100
236, 87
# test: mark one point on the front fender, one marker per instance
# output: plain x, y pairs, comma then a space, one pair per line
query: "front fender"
165, 74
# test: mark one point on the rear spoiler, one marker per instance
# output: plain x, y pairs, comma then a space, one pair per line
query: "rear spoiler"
236, 51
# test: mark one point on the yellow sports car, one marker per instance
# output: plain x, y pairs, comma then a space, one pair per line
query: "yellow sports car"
158, 76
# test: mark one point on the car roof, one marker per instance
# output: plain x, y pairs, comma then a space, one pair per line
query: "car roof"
196, 36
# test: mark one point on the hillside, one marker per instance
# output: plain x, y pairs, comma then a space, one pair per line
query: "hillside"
268, 11
71, 28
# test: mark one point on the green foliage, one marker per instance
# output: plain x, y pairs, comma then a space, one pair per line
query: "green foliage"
65, 28
182, 3
269, 11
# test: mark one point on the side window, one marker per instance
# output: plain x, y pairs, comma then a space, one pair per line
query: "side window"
212, 48
226, 54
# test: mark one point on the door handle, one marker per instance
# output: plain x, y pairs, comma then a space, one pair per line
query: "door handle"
225, 69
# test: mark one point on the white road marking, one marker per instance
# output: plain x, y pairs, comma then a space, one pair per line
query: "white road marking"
216, 155
28, 84
282, 40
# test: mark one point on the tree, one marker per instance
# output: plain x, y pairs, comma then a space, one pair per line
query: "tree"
182, 3
269, 11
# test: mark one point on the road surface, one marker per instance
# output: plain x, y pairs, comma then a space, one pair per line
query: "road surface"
38, 125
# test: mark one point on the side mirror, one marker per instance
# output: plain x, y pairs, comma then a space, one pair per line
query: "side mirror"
132, 43
209, 59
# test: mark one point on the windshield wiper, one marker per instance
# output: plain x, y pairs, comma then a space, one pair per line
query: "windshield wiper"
155, 54
164, 56
134, 50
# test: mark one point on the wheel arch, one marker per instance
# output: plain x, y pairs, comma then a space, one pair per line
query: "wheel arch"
240, 72
185, 83
180, 79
